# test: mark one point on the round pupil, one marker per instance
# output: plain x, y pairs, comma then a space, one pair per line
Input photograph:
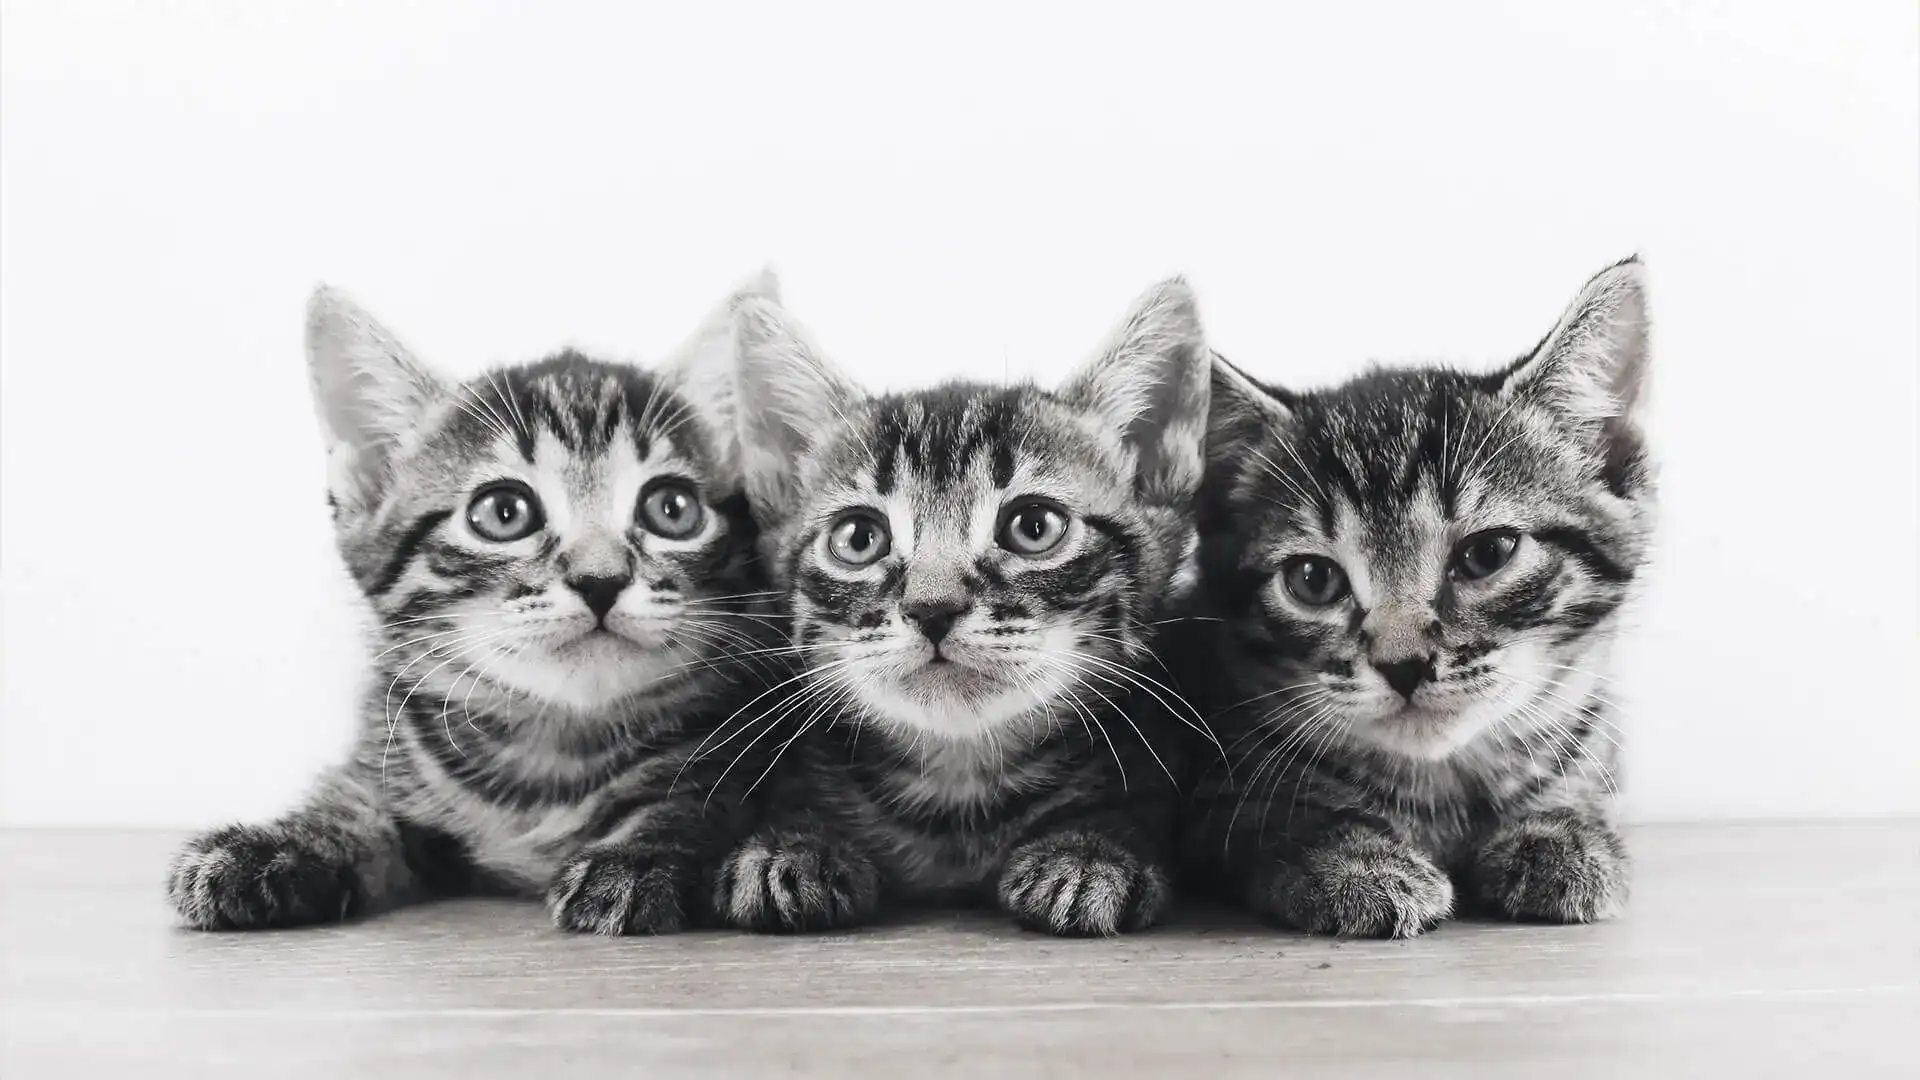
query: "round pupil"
860, 536
1489, 554
1032, 524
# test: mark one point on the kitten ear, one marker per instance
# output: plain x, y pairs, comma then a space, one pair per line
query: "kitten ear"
1242, 409
789, 395
1592, 369
1151, 384
702, 370
370, 393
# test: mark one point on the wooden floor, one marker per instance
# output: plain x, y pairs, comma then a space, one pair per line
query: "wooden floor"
1749, 951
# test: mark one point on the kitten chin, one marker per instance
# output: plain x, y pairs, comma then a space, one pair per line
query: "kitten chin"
590, 675
955, 703
963, 690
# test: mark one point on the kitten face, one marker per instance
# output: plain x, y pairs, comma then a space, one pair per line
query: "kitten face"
1418, 558
963, 557
568, 530
968, 560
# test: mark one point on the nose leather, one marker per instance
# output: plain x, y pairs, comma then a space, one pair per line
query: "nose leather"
600, 592
1405, 676
935, 618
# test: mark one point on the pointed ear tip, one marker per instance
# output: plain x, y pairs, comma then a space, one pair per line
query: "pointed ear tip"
1175, 289
323, 310
765, 283
326, 304
1172, 300
1630, 272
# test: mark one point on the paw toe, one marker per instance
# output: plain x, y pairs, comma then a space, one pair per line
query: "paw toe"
796, 884
618, 893
1085, 888
1375, 889
241, 879
1555, 876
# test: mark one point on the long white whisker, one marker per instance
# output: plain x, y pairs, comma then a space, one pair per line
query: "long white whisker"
459, 651
1079, 676
698, 751
1154, 687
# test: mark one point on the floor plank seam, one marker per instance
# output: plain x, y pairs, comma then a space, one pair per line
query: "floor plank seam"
854, 1011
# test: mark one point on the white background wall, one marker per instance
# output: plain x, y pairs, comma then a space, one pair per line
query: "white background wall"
980, 190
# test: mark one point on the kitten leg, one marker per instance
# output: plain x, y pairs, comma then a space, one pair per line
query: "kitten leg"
1087, 878
1563, 865
797, 877
1353, 881
337, 856
643, 874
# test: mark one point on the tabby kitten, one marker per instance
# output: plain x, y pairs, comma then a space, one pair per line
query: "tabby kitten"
975, 574
1420, 574
560, 561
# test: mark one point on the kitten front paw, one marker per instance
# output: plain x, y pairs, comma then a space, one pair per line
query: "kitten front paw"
622, 890
1360, 884
784, 882
245, 877
1560, 866
1081, 884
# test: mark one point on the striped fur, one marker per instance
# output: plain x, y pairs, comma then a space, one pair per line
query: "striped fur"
1431, 726
535, 702
980, 724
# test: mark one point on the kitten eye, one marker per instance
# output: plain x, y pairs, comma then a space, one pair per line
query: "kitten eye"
859, 539
1314, 581
505, 511
1033, 528
1484, 553
670, 508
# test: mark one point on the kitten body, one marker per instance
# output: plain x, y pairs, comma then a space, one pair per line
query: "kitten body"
1419, 576
974, 575
559, 562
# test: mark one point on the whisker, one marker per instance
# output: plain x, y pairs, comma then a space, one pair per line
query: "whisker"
1153, 687
387, 705
1278, 474
831, 665
459, 651
1334, 731
506, 396
418, 640
1276, 760
1473, 459
1079, 676
1274, 725
829, 703
1313, 682
757, 594
811, 692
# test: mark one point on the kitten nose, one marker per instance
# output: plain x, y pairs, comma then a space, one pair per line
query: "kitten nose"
600, 593
1405, 676
935, 618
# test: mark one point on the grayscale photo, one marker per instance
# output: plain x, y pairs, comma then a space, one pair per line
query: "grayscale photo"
1120, 540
